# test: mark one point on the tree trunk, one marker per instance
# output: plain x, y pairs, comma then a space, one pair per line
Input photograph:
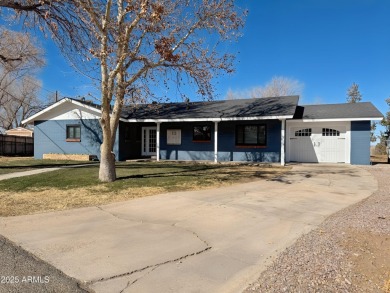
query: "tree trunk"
107, 171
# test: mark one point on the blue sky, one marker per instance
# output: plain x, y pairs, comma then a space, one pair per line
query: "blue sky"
325, 44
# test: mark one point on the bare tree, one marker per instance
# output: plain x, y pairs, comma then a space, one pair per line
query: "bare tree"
353, 94
57, 18
142, 43
18, 88
20, 100
279, 86
18, 52
138, 44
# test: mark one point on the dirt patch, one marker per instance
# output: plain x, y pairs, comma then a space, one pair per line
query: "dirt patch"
369, 256
52, 199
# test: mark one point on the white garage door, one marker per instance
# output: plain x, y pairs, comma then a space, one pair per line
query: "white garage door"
317, 144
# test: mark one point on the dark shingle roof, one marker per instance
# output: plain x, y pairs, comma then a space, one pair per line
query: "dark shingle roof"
263, 107
338, 111
280, 106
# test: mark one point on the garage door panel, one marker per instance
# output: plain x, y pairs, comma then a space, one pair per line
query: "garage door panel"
313, 143
302, 150
332, 150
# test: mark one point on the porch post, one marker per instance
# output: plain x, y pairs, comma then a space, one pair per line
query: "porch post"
158, 142
215, 142
282, 143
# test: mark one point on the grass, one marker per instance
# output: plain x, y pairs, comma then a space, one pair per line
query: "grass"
18, 164
79, 187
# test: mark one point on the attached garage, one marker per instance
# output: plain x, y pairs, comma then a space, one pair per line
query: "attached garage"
321, 142
331, 133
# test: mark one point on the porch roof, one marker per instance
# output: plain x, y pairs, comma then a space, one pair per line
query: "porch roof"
242, 109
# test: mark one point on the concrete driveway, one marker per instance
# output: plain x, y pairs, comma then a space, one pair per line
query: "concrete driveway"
216, 240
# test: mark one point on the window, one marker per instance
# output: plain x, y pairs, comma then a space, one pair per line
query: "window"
251, 135
303, 132
330, 132
202, 133
173, 136
73, 133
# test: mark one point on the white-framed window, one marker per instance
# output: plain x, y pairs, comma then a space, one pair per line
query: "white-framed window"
330, 132
173, 136
303, 132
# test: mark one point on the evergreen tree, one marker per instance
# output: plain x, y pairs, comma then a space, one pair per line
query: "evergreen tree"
353, 94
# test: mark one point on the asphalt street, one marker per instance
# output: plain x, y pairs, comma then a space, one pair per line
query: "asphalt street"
22, 272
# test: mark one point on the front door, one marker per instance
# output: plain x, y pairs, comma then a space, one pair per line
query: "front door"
149, 141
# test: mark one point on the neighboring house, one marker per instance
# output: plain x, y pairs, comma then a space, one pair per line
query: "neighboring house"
20, 131
259, 130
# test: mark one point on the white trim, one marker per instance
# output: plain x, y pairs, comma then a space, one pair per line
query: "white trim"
209, 119
216, 142
158, 142
282, 143
145, 148
348, 143
336, 119
26, 121
59, 103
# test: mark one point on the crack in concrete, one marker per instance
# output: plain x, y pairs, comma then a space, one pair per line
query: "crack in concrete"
121, 218
193, 232
154, 266
150, 266
129, 284
155, 223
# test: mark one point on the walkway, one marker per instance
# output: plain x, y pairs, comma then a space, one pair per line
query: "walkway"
37, 171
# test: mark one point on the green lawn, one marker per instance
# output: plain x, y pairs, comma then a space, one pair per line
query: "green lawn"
19, 164
132, 175
80, 187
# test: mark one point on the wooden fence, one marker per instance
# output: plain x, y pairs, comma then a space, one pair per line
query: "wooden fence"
11, 145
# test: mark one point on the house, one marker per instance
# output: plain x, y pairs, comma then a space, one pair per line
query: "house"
260, 130
20, 131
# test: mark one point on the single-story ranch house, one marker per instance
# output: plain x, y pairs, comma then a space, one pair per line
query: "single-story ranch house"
260, 130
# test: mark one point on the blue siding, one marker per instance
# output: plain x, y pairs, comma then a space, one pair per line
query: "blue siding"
50, 137
227, 149
360, 142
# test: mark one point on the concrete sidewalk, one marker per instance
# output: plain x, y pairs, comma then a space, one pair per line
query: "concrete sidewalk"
38, 171
216, 240
26, 173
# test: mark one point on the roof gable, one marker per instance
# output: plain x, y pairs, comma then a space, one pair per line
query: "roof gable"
65, 109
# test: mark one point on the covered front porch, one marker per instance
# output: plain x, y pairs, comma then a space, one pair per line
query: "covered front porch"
206, 140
